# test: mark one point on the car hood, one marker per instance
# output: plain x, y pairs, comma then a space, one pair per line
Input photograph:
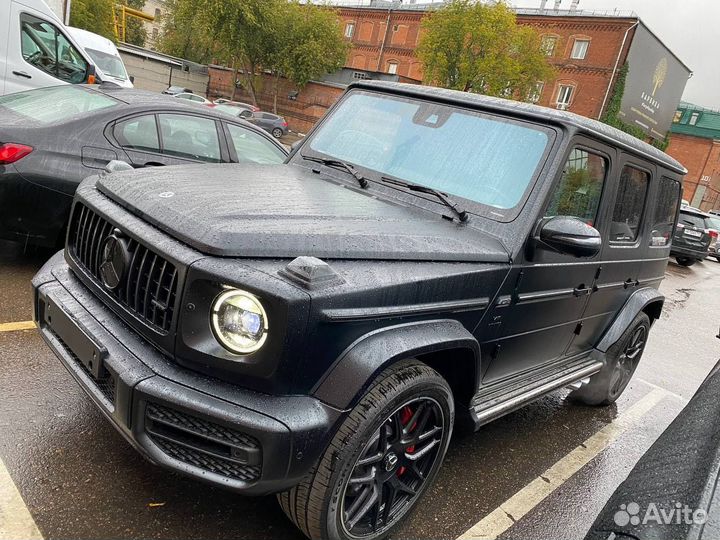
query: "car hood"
285, 211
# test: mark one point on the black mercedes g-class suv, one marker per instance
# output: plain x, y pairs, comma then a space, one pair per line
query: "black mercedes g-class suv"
313, 329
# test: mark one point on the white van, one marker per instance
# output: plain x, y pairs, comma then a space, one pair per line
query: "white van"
36, 49
109, 66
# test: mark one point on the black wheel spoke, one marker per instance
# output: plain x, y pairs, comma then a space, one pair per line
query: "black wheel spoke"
394, 467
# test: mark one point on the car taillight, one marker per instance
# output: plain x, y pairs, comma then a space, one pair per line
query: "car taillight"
11, 152
712, 232
680, 226
255, 109
284, 124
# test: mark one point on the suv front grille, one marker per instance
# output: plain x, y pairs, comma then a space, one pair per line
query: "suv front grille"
149, 286
203, 444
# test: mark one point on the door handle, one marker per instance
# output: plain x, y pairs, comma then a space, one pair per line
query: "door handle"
582, 290
22, 74
629, 282
153, 164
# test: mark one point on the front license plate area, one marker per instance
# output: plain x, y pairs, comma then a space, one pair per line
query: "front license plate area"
77, 339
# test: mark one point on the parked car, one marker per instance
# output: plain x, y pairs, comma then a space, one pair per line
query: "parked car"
692, 238
674, 482
174, 90
235, 110
52, 138
109, 66
223, 101
712, 224
194, 98
36, 49
313, 329
272, 123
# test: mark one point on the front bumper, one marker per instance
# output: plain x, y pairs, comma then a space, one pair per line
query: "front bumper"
205, 428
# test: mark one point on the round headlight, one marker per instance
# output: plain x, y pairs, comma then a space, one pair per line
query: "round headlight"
239, 321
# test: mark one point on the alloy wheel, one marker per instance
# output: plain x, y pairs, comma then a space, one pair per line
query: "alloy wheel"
393, 467
628, 360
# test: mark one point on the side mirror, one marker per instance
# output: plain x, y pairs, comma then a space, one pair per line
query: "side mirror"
91, 75
294, 146
117, 165
570, 235
132, 78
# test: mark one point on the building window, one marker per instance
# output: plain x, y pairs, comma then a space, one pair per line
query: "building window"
392, 68
580, 49
155, 34
535, 92
157, 13
565, 95
677, 117
548, 45
694, 117
360, 76
349, 29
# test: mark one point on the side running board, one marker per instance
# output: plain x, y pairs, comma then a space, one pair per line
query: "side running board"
498, 399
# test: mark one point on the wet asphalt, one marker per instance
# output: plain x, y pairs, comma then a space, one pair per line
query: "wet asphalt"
79, 479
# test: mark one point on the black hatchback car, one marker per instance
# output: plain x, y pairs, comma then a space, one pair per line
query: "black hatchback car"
314, 329
692, 237
52, 138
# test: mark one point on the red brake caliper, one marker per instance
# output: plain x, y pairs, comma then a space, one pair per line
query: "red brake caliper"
405, 416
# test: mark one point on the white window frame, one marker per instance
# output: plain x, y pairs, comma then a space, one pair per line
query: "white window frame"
567, 92
694, 117
349, 29
580, 49
535, 93
392, 67
547, 40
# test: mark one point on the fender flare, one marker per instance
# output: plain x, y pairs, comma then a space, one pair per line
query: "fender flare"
358, 365
637, 302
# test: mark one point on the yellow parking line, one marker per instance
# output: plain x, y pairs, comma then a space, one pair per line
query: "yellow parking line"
15, 519
15, 326
502, 518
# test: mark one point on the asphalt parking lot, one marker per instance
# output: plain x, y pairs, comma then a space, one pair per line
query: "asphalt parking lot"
542, 472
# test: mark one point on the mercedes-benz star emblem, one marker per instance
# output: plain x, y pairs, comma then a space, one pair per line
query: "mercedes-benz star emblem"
114, 261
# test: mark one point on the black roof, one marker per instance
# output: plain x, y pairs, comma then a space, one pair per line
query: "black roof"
535, 112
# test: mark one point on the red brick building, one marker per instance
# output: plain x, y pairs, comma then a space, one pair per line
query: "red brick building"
586, 48
695, 142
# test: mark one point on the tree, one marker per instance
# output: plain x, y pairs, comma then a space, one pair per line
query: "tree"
185, 33
476, 47
93, 16
305, 44
135, 32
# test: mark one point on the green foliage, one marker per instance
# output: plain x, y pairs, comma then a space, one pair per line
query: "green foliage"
298, 41
93, 16
477, 47
135, 32
611, 116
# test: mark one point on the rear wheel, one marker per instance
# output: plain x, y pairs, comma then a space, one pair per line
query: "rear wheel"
277, 133
381, 460
685, 261
622, 358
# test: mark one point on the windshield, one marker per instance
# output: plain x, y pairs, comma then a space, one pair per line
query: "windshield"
109, 64
48, 105
486, 159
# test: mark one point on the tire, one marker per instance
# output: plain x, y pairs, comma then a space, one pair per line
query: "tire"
606, 386
407, 390
685, 261
277, 133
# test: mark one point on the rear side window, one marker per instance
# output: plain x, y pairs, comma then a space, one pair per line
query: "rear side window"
191, 137
629, 205
43, 46
665, 212
253, 148
55, 103
139, 133
580, 188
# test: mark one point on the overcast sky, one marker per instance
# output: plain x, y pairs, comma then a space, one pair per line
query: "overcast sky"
688, 27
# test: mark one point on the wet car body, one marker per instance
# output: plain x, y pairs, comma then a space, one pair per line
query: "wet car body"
365, 280
692, 237
36, 191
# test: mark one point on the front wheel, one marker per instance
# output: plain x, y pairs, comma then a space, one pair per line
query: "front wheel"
685, 261
623, 357
381, 460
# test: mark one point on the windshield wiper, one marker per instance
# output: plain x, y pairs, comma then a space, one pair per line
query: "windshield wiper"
461, 214
332, 162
